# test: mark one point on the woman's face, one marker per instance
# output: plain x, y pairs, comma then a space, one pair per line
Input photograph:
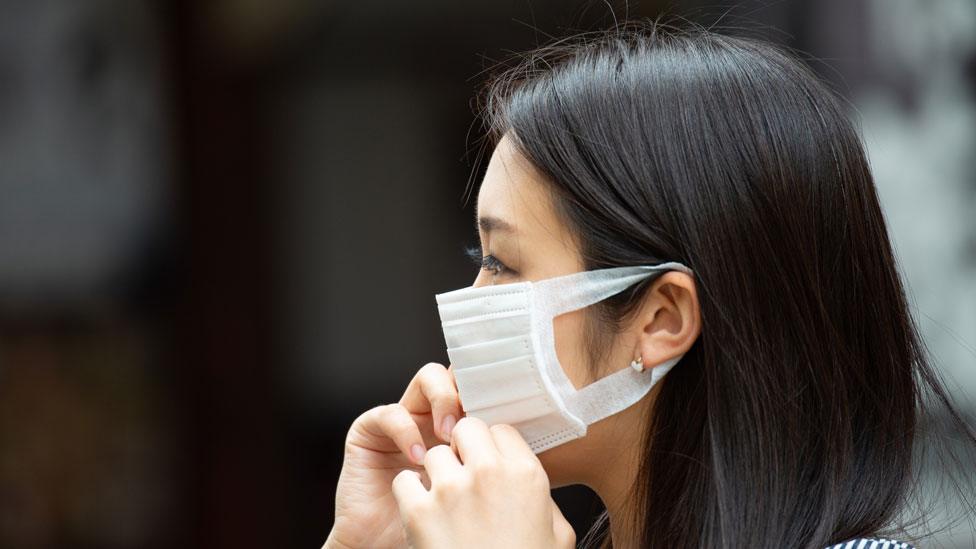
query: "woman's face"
525, 240
520, 229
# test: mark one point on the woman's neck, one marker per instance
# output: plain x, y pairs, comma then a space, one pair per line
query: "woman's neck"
614, 484
618, 451
615, 472
620, 511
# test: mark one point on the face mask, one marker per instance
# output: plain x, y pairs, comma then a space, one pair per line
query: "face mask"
503, 354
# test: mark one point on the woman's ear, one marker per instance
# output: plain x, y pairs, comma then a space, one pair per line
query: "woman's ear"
669, 320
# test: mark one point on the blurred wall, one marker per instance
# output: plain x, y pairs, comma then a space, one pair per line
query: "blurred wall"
88, 434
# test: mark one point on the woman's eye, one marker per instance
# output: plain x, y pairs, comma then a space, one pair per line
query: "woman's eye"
486, 262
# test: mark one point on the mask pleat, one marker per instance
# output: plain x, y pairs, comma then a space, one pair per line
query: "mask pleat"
479, 384
514, 412
497, 325
502, 301
490, 351
538, 430
472, 292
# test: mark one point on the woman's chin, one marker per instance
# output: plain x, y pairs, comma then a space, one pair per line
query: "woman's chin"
562, 464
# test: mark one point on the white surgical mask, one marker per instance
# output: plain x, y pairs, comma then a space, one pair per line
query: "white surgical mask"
503, 354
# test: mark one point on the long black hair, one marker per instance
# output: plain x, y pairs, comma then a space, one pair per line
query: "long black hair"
792, 420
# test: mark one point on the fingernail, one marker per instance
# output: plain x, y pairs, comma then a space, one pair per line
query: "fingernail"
447, 425
417, 453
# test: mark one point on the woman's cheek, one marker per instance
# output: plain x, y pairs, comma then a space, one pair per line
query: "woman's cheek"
568, 332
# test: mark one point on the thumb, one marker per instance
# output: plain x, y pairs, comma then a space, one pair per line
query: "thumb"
562, 530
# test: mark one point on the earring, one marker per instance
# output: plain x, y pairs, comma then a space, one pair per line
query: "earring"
638, 365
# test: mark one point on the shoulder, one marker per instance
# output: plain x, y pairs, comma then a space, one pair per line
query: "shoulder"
871, 543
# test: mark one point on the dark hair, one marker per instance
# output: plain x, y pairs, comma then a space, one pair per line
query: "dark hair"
792, 420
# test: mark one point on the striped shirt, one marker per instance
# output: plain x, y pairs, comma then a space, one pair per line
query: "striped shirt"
872, 543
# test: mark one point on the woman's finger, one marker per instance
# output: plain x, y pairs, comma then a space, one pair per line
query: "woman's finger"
393, 421
407, 488
433, 390
441, 464
561, 529
510, 442
473, 440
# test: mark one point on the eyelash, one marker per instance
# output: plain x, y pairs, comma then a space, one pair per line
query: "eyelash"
486, 262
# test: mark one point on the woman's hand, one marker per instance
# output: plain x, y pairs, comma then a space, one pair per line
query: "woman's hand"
495, 495
382, 442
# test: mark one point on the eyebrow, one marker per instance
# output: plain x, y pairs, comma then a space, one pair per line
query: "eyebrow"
489, 224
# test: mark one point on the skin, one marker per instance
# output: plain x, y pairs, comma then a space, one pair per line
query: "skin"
460, 494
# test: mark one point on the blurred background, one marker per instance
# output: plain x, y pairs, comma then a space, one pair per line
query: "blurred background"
222, 224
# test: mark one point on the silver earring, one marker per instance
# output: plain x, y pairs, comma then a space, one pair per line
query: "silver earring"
638, 365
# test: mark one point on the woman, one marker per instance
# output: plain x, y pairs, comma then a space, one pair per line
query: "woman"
771, 301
